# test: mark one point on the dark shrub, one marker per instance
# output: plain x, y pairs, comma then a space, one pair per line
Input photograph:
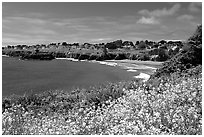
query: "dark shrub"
120, 56
141, 45
112, 55
102, 57
93, 57
60, 55
196, 39
190, 56
83, 57
75, 55
144, 57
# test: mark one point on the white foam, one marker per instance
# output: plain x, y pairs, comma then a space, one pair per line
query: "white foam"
62, 58
70, 59
92, 61
5, 56
125, 67
108, 63
75, 60
132, 70
144, 67
84, 60
112, 64
102, 62
143, 76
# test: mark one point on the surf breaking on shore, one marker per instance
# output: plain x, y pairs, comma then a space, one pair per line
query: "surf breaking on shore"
129, 66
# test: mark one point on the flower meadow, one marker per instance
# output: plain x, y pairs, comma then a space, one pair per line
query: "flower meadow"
164, 106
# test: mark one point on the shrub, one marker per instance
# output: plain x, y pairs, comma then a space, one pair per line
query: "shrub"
83, 57
185, 59
93, 57
120, 56
169, 105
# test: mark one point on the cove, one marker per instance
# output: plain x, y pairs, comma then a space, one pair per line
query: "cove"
25, 77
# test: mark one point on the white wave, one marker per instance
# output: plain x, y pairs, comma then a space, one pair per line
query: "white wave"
112, 64
107, 63
84, 60
143, 76
5, 56
75, 60
132, 70
70, 59
93, 61
62, 58
102, 62
126, 67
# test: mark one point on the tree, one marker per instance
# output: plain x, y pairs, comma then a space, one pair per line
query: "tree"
64, 43
141, 45
162, 42
53, 44
146, 42
196, 39
128, 43
185, 59
111, 46
118, 43
137, 43
105, 50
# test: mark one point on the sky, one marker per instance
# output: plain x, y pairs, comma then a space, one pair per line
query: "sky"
47, 22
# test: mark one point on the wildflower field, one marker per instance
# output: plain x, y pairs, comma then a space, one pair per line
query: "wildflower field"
166, 106
169, 103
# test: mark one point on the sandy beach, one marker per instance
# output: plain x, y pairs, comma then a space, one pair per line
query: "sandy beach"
146, 68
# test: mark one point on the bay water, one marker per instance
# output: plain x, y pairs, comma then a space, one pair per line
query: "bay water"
33, 76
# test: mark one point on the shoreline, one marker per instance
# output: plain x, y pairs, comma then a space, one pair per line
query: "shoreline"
5, 56
128, 65
132, 66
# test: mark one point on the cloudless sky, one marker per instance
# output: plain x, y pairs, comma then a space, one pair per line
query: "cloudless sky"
43, 23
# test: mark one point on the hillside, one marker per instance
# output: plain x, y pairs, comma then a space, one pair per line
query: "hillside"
189, 57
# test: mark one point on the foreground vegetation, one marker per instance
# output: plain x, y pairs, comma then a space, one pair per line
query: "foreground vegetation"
169, 103
167, 106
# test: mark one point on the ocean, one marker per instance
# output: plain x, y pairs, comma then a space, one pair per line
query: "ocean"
23, 77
